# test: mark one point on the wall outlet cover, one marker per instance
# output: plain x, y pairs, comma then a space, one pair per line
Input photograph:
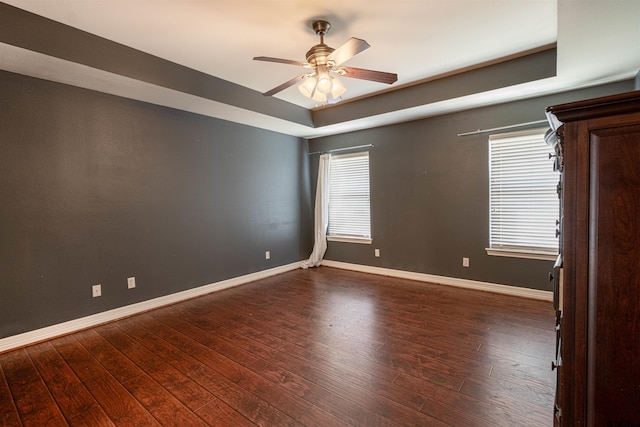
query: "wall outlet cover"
96, 290
131, 282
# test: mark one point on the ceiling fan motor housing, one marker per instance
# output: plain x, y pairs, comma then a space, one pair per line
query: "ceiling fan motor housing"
317, 55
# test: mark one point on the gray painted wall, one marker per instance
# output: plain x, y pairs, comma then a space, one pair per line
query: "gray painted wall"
96, 188
429, 193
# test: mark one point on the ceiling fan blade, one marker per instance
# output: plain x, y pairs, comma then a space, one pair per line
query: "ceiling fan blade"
279, 60
284, 85
374, 76
348, 50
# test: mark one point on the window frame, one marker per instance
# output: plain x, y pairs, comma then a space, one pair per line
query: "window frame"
528, 249
346, 237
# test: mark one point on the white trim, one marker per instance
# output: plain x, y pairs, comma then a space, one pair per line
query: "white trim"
344, 239
37, 335
443, 280
515, 253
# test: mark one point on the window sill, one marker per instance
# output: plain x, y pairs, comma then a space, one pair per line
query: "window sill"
515, 253
361, 240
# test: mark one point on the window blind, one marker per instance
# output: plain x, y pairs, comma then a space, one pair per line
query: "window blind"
524, 204
349, 214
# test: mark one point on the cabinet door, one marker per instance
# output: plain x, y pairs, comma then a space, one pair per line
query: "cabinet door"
613, 320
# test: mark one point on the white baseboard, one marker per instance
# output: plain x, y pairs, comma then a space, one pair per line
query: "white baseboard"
49, 332
37, 335
443, 280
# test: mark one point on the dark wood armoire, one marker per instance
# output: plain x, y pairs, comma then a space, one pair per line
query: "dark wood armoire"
597, 276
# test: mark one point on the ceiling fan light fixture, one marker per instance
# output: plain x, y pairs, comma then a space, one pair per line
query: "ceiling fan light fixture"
319, 89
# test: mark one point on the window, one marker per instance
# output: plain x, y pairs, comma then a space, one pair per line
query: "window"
524, 203
349, 214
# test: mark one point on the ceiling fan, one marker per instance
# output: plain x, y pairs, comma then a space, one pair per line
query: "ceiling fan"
319, 83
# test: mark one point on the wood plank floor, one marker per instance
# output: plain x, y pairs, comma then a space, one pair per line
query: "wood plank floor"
318, 347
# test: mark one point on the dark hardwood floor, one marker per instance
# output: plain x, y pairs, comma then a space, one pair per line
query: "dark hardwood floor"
318, 347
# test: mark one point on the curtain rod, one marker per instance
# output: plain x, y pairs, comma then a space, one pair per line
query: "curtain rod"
344, 149
476, 132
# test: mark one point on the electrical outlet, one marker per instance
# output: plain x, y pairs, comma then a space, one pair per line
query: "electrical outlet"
376, 252
131, 282
96, 290
267, 255
465, 262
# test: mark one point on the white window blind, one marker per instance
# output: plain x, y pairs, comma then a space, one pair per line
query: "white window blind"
524, 203
349, 214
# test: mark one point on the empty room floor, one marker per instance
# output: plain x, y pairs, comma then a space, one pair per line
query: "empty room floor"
318, 347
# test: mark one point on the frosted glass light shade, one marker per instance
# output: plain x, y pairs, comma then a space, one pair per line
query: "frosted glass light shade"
324, 84
321, 87
308, 86
319, 97
337, 89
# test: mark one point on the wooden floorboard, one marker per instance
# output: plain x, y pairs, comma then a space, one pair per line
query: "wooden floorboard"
318, 347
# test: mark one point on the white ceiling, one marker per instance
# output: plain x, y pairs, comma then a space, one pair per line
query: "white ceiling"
598, 41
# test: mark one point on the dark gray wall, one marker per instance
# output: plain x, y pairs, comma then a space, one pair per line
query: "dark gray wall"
96, 188
429, 193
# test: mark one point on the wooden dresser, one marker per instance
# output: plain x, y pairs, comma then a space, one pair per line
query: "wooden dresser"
597, 278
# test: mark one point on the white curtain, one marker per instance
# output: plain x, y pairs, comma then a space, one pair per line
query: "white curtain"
321, 214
